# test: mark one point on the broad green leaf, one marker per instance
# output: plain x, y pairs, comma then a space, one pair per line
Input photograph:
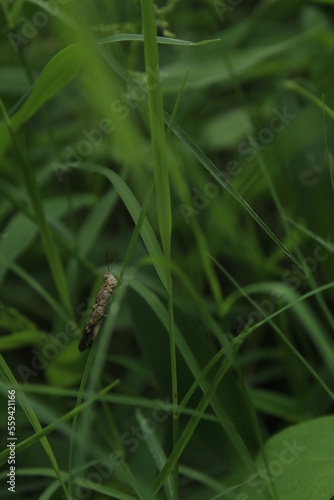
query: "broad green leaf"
300, 462
62, 68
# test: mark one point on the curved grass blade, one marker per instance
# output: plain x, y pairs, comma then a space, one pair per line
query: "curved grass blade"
232, 433
204, 160
42, 432
26, 406
217, 175
62, 68
134, 209
276, 328
128, 37
39, 211
35, 285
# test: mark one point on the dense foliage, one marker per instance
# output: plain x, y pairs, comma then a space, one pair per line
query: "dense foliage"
192, 143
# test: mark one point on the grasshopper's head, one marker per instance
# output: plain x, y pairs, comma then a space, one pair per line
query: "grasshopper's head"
109, 279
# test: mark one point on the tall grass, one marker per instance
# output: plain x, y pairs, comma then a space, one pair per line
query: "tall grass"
194, 146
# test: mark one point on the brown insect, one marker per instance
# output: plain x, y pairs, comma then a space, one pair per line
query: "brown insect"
96, 316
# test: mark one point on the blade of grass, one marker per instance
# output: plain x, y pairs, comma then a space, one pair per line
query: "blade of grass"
157, 125
23, 338
45, 231
127, 37
321, 340
298, 252
295, 87
276, 328
42, 432
62, 68
76, 415
203, 159
119, 399
200, 477
161, 176
222, 181
107, 492
190, 429
133, 208
195, 369
202, 244
137, 229
140, 222
26, 406
324, 243
95, 374
154, 446
177, 103
36, 286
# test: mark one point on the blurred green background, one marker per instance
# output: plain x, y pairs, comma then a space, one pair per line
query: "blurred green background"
250, 163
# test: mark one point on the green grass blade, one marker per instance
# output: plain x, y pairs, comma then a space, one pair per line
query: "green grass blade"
156, 451
295, 87
276, 328
62, 68
162, 189
137, 229
35, 285
128, 37
190, 428
157, 125
219, 177
42, 432
195, 369
134, 209
26, 406
177, 103
99, 360
45, 231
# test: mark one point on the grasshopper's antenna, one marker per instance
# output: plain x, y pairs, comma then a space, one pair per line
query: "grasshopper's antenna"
107, 261
115, 259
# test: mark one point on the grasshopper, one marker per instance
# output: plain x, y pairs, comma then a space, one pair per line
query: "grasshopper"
96, 316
